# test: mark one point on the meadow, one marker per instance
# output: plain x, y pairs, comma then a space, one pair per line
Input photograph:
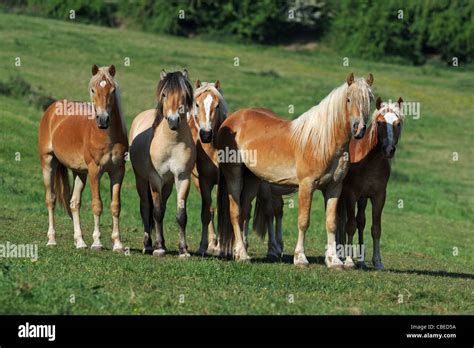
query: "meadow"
427, 241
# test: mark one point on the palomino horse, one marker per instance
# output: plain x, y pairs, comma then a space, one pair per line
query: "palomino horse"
368, 177
89, 140
210, 110
163, 153
307, 153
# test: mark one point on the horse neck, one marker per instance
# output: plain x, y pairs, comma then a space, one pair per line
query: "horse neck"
117, 129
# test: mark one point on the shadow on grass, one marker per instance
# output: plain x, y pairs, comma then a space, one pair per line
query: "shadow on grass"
432, 273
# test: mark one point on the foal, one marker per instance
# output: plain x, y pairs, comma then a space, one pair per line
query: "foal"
209, 111
368, 176
90, 140
163, 153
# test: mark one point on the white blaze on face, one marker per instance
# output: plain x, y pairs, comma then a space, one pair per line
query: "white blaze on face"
207, 110
390, 118
102, 83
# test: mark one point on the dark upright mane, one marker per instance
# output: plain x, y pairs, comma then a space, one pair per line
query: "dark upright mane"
173, 82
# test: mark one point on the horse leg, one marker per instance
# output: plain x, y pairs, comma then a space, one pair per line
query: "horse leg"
233, 174
75, 205
361, 205
94, 183
249, 192
116, 179
277, 202
206, 215
378, 202
49, 164
213, 246
159, 209
182, 188
143, 189
305, 195
331, 196
350, 230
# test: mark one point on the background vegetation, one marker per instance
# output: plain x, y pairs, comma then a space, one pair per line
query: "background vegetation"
427, 246
425, 29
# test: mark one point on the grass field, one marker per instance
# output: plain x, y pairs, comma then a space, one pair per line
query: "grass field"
427, 246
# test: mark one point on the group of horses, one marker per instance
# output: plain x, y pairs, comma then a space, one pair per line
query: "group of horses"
334, 147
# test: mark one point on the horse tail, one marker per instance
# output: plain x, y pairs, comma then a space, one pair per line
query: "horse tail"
225, 229
62, 187
259, 221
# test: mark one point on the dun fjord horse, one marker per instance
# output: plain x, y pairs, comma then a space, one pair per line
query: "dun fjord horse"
162, 152
89, 141
209, 111
304, 154
368, 177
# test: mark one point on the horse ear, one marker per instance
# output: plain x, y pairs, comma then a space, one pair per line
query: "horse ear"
95, 69
112, 70
350, 79
185, 73
162, 74
370, 79
400, 101
198, 83
217, 84
378, 103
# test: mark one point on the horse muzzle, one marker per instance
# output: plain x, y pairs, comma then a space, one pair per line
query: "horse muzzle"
173, 122
358, 129
205, 136
102, 121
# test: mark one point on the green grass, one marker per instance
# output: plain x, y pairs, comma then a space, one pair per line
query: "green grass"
417, 241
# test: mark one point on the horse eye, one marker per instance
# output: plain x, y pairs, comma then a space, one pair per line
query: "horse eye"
348, 100
92, 91
217, 106
197, 105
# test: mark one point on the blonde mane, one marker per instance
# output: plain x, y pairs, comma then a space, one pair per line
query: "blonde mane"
104, 73
318, 127
210, 87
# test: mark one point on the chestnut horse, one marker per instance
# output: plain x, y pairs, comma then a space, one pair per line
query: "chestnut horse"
368, 177
163, 153
209, 111
89, 140
305, 154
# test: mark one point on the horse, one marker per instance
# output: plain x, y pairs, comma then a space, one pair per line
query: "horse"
163, 153
368, 177
304, 154
88, 139
209, 111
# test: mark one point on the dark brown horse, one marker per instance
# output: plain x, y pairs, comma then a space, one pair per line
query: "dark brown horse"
367, 179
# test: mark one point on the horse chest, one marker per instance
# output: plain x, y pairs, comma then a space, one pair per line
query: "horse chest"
176, 160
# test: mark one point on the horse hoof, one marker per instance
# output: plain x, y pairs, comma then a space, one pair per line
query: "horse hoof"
362, 265
147, 250
378, 265
96, 246
184, 256
201, 251
51, 243
213, 250
300, 260
273, 257
242, 258
348, 263
118, 248
159, 252
81, 244
333, 262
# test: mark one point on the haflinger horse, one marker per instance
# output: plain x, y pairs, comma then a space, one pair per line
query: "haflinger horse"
305, 154
208, 113
367, 179
90, 140
162, 152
